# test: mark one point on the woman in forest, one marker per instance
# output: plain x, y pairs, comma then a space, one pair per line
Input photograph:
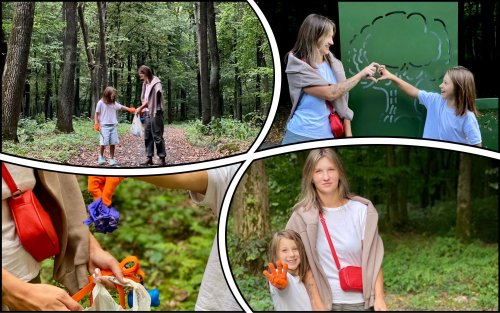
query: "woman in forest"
152, 111
351, 224
316, 79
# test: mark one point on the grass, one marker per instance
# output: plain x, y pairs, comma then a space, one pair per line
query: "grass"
39, 140
420, 273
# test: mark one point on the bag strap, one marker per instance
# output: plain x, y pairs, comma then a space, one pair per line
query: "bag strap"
334, 254
330, 106
10, 181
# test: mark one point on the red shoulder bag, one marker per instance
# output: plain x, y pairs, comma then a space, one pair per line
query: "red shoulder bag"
336, 123
33, 224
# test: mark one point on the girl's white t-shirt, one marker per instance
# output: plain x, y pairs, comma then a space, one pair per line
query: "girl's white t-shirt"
292, 298
346, 225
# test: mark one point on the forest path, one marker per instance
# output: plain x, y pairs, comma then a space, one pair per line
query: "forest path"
130, 152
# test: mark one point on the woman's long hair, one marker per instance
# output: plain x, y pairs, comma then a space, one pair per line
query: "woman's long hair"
309, 197
146, 71
464, 90
292, 235
312, 29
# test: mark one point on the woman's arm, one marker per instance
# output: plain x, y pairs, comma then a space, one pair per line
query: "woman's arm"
334, 91
313, 292
379, 304
193, 181
409, 89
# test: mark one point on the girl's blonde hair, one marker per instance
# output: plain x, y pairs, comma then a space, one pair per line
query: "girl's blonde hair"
109, 95
309, 197
312, 29
303, 267
464, 90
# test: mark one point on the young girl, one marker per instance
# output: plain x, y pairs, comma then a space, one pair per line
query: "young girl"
291, 284
105, 122
451, 115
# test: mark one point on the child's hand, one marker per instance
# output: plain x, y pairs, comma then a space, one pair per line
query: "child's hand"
369, 71
97, 127
384, 73
131, 110
277, 277
101, 186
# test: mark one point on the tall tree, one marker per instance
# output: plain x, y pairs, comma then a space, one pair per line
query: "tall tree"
67, 94
101, 51
203, 62
215, 94
91, 62
16, 64
463, 229
251, 209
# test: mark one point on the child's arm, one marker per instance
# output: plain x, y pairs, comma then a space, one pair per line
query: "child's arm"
130, 110
313, 292
408, 88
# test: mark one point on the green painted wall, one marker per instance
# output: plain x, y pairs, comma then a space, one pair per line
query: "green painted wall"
416, 41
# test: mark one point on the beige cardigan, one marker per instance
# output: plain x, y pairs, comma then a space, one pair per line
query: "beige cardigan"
61, 196
155, 96
306, 224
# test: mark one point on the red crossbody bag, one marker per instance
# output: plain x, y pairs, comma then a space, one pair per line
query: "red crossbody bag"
351, 278
33, 224
336, 123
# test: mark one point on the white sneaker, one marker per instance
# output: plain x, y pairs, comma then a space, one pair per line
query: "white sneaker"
101, 160
112, 162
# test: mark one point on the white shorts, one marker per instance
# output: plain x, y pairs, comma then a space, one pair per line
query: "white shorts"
108, 135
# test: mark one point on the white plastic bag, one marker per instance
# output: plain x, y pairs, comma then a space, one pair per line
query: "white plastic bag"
137, 129
103, 301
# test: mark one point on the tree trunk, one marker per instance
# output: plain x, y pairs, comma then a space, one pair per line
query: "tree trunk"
16, 64
251, 210
77, 101
128, 92
67, 95
392, 204
93, 68
101, 51
258, 57
403, 186
463, 229
203, 56
215, 94
26, 100
183, 99
48, 92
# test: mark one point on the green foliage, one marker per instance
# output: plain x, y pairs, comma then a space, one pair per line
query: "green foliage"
171, 237
39, 140
435, 273
221, 134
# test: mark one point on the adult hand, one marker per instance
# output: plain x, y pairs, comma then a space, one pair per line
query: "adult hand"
369, 71
97, 127
131, 110
103, 187
139, 110
100, 259
277, 277
39, 297
379, 304
384, 73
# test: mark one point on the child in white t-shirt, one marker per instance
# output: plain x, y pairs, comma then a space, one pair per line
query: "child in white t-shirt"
451, 115
288, 281
105, 122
